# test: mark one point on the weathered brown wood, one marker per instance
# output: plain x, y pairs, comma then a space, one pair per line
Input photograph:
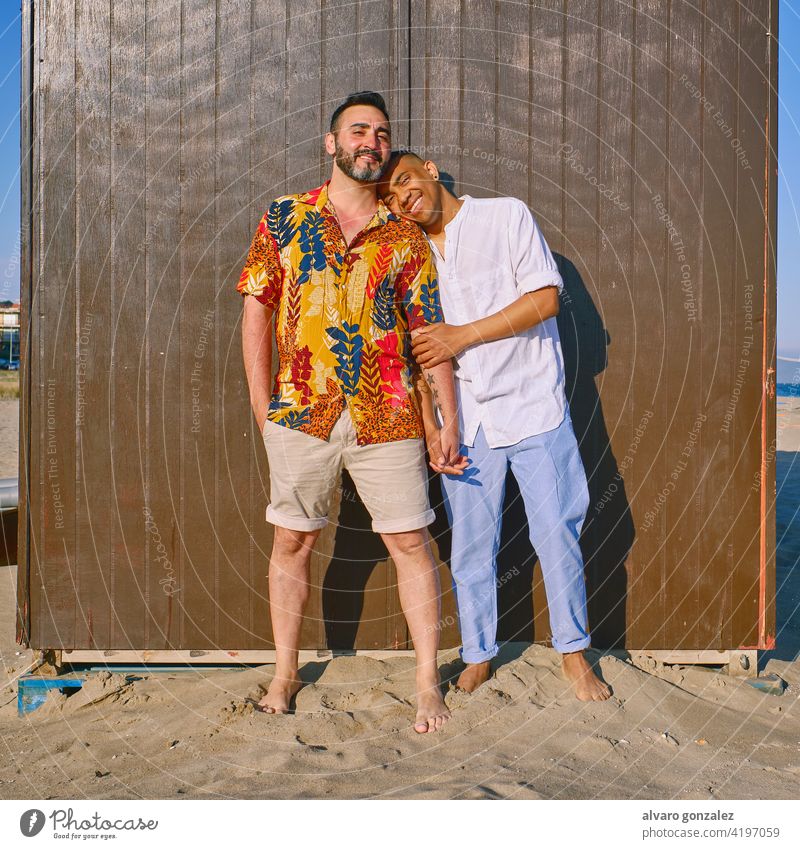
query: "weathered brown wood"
204, 658
126, 283
642, 368
752, 590
738, 663
28, 185
541, 174
267, 177
685, 394
158, 374
721, 583
92, 320
609, 450
54, 545
768, 628
198, 408
234, 577
162, 143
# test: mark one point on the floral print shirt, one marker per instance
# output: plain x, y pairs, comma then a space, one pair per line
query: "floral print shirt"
344, 316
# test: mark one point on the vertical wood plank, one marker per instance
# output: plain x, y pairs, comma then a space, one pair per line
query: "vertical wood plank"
717, 498
268, 179
53, 520
753, 573
235, 579
478, 115
608, 439
581, 250
159, 367
683, 390
93, 323
436, 126
543, 181
29, 218
304, 155
127, 579
195, 327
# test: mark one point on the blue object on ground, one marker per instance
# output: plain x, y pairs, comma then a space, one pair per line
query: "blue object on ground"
32, 691
771, 684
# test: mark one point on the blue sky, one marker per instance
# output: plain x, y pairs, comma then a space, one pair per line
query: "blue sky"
788, 185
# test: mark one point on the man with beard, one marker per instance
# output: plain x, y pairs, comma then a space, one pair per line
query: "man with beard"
499, 288
348, 283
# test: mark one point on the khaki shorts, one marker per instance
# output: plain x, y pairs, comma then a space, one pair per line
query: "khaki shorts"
304, 471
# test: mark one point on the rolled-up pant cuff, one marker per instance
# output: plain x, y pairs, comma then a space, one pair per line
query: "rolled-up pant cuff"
400, 526
294, 523
479, 657
572, 646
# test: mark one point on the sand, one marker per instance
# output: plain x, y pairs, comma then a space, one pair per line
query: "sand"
668, 732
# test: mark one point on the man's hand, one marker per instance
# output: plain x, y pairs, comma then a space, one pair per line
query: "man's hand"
443, 453
436, 343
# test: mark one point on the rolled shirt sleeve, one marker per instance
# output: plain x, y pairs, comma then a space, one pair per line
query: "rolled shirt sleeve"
262, 276
421, 296
533, 263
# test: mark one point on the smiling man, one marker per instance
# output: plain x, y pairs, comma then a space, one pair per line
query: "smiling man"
348, 282
499, 286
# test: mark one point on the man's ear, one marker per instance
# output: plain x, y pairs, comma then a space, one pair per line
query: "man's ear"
330, 143
431, 168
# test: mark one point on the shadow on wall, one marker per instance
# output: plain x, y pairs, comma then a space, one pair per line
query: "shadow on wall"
608, 531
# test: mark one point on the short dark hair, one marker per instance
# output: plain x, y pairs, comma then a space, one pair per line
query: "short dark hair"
399, 153
358, 98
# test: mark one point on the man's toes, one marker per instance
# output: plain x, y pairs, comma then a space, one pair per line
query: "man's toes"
421, 726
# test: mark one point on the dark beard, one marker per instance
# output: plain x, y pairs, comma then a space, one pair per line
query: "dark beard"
361, 173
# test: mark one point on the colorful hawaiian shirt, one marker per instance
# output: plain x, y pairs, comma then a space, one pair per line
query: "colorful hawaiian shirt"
344, 316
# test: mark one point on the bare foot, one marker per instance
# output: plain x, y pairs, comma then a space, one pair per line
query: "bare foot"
474, 675
588, 687
280, 693
432, 713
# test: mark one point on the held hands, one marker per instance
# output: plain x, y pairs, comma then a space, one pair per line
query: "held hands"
443, 451
437, 343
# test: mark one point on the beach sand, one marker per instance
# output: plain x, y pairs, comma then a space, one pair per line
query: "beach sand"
668, 732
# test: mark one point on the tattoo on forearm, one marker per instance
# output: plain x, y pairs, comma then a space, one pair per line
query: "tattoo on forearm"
432, 383
420, 383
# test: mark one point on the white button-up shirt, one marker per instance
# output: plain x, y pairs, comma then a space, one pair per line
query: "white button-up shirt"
514, 387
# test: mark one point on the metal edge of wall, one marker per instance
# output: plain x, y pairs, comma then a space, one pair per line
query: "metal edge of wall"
767, 575
27, 158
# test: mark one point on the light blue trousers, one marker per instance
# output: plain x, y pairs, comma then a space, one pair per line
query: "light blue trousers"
552, 482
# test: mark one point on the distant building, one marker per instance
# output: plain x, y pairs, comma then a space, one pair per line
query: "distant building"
9, 334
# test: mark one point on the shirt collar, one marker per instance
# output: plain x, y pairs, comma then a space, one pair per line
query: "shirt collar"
455, 222
462, 212
319, 198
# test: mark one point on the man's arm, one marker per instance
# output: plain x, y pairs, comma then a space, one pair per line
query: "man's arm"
433, 434
438, 343
538, 284
257, 354
436, 389
260, 286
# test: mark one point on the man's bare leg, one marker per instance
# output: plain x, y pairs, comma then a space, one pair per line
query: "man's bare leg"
288, 595
418, 585
588, 687
474, 675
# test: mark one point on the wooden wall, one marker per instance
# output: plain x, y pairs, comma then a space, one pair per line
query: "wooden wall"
154, 137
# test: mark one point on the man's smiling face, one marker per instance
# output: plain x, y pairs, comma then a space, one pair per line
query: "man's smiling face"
362, 143
410, 189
